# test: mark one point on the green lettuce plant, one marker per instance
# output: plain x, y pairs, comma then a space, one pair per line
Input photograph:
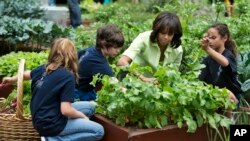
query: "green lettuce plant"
176, 99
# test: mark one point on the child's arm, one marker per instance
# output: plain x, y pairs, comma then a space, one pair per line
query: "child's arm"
69, 111
218, 57
13, 79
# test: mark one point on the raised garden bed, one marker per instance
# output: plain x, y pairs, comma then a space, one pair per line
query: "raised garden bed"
171, 133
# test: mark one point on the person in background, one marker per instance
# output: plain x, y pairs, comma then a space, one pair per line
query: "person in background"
54, 116
74, 13
159, 46
229, 6
52, 2
221, 66
93, 60
103, 1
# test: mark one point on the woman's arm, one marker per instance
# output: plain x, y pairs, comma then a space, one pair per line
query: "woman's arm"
69, 111
133, 50
124, 61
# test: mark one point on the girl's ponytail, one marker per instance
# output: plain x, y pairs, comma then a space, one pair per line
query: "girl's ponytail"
230, 45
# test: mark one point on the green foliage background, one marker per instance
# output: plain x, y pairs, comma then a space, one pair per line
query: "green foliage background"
145, 99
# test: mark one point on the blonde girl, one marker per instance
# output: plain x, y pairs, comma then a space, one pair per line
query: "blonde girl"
54, 115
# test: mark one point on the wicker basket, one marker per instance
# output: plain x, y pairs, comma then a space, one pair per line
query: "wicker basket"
17, 126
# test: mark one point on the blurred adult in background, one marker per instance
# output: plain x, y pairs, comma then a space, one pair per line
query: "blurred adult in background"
102, 1
74, 13
229, 5
52, 2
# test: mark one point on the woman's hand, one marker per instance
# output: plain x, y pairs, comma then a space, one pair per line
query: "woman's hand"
124, 90
146, 79
149, 79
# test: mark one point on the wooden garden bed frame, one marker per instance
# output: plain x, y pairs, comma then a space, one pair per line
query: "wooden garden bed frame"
114, 132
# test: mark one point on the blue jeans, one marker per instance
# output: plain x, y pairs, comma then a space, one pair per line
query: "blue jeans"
74, 13
80, 129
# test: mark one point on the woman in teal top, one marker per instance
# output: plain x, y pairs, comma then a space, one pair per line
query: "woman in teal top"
161, 45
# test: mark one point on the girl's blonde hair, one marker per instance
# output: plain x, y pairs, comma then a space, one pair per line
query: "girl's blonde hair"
63, 54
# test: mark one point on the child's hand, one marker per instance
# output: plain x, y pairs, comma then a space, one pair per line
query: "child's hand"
9, 80
232, 97
204, 42
84, 116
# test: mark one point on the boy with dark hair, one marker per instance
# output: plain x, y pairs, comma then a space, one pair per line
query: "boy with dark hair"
109, 40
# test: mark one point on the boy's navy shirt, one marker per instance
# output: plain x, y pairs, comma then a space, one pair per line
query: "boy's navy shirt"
47, 94
91, 62
220, 76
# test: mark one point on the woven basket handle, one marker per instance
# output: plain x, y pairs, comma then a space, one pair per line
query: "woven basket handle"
19, 111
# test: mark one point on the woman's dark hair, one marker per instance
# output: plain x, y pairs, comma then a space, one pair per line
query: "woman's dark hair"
109, 36
169, 22
224, 31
